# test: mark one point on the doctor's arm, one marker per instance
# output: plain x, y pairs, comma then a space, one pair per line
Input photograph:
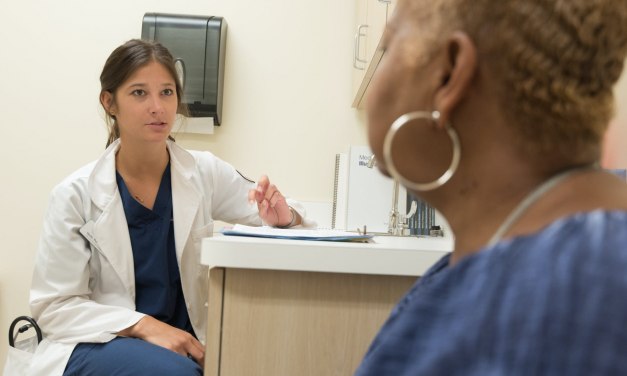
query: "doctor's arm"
64, 279
237, 200
161, 334
272, 205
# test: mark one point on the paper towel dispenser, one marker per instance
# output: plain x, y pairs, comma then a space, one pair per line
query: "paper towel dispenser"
198, 46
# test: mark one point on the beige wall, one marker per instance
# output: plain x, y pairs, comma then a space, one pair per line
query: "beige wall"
286, 105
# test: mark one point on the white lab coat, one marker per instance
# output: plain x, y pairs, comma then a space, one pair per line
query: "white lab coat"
83, 286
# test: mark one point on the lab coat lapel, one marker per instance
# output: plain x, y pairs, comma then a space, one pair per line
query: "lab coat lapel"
111, 232
110, 229
185, 197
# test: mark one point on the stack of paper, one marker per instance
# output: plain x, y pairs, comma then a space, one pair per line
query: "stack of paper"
298, 234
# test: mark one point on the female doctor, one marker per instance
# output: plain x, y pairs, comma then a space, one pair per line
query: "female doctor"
118, 288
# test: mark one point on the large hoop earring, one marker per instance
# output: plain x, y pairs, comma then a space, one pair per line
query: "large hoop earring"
389, 162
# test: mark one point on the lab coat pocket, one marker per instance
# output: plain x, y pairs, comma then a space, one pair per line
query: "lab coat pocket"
205, 231
197, 235
20, 353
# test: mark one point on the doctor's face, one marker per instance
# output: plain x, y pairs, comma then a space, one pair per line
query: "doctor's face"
145, 105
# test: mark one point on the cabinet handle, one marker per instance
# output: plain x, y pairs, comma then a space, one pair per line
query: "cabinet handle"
356, 45
386, 1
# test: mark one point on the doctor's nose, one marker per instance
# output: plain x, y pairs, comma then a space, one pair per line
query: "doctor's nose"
155, 106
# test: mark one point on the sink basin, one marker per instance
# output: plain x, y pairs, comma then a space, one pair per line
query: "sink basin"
414, 242
388, 239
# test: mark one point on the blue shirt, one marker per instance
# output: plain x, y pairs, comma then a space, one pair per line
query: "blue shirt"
158, 288
551, 303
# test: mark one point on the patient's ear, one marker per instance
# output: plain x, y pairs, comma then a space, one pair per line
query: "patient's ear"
460, 65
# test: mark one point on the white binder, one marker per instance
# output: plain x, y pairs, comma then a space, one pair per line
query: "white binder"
362, 196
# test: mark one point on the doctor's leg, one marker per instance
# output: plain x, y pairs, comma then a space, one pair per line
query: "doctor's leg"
128, 356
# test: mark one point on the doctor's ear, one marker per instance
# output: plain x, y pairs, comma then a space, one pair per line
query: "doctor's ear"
107, 102
460, 65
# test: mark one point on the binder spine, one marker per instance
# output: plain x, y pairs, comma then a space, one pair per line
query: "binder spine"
421, 222
335, 188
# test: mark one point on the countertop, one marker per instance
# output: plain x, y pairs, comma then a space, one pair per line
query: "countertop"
384, 255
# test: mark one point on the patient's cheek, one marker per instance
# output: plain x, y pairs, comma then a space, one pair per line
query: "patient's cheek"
614, 153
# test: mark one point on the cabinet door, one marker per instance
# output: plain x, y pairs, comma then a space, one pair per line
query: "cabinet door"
360, 55
277, 322
372, 16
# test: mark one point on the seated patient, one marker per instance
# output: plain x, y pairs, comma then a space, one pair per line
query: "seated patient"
118, 288
493, 112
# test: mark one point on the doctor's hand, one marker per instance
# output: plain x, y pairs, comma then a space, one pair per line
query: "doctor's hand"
273, 208
161, 334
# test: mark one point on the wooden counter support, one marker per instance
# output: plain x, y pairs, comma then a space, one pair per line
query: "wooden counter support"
294, 322
214, 323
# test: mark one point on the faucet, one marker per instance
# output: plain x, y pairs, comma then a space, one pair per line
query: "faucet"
394, 224
397, 223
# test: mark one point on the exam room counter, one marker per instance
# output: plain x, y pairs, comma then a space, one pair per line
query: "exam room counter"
297, 307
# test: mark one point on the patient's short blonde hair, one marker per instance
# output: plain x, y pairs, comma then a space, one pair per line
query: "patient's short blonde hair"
555, 61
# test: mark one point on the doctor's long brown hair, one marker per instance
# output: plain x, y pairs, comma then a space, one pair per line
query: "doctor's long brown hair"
126, 60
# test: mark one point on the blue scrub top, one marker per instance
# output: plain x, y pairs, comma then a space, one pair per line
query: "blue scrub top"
549, 303
157, 279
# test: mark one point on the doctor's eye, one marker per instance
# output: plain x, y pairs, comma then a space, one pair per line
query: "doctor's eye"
138, 92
